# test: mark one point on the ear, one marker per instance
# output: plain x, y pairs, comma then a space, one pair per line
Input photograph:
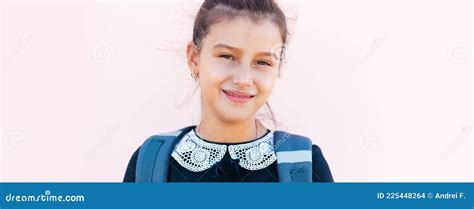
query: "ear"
192, 53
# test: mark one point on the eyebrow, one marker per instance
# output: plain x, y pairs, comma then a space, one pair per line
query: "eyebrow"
269, 54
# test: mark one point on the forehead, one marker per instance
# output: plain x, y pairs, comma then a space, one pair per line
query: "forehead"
244, 33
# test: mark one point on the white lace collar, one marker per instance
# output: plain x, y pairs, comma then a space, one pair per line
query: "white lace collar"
197, 155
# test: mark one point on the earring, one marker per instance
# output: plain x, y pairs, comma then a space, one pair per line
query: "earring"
194, 76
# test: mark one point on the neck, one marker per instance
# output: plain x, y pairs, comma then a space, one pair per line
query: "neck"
218, 131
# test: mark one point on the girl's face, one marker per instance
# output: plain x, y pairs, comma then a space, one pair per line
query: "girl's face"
237, 67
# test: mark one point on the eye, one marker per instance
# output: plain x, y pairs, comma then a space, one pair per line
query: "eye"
227, 56
263, 62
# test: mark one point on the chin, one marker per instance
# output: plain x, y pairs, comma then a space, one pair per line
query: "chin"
234, 116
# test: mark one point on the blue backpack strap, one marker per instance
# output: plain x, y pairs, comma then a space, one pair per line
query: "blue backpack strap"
294, 157
154, 154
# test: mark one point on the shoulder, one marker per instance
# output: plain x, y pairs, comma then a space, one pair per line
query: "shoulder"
289, 141
321, 170
167, 136
153, 142
285, 140
295, 141
160, 142
317, 152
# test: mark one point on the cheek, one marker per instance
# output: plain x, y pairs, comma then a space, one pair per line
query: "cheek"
211, 79
265, 86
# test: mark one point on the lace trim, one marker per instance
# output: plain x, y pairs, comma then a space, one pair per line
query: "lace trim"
197, 155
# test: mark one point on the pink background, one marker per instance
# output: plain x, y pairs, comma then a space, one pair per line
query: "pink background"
384, 88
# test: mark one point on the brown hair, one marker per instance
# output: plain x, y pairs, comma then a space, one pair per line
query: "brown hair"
214, 11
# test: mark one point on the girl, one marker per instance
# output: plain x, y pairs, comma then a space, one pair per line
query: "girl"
235, 56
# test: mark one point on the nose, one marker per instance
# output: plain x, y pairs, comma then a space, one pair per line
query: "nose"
242, 76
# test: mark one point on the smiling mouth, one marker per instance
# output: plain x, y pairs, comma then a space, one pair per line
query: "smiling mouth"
237, 96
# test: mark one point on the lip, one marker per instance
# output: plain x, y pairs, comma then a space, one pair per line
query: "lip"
238, 96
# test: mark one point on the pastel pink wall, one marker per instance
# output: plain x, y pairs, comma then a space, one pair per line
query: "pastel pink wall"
384, 88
